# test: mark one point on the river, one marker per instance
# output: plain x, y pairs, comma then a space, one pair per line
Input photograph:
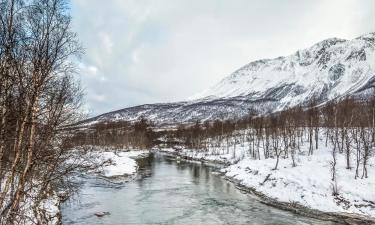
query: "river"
167, 191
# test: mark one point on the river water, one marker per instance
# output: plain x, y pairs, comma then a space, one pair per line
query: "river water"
167, 191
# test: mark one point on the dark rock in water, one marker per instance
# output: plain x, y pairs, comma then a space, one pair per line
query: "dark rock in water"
101, 214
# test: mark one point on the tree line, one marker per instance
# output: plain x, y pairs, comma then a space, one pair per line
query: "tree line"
117, 134
346, 125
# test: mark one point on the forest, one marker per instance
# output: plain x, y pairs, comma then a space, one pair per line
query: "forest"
348, 125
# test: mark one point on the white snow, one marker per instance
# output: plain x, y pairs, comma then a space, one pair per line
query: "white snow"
328, 70
308, 72
50, 209
214, 155
115, 162
309, 183
47, 208
122, 163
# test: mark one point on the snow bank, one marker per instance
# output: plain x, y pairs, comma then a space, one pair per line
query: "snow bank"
217, 155
122, 163
50, 208
112, 162
46, 209
308, 184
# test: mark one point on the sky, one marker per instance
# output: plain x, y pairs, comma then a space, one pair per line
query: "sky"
150, 51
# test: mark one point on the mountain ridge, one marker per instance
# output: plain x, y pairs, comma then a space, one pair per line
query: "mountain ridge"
330, 69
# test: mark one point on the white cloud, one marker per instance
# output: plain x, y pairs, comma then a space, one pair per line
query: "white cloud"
106, 43
99, 98
147, 51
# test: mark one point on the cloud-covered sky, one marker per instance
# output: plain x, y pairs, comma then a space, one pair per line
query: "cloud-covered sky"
148, 51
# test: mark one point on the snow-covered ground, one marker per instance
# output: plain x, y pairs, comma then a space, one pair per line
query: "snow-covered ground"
197, 154
122, 163
47, 208
308, 184
109, 161
118, 163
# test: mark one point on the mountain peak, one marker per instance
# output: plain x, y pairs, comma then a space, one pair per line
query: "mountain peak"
330, 69
330, 42
370, 35
332, 64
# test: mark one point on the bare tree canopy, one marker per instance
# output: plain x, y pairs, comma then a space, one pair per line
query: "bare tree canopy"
38, 94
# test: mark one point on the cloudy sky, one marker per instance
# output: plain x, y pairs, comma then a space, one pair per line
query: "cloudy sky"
148, 51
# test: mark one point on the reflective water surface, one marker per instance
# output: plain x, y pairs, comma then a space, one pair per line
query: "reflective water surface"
171, 192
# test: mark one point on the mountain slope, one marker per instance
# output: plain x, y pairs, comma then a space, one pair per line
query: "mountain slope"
330, 69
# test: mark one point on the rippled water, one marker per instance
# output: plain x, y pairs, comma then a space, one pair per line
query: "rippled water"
171, 192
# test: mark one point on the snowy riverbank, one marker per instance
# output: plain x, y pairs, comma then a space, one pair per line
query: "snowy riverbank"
308, 184
122, 163
119, 164
46, 208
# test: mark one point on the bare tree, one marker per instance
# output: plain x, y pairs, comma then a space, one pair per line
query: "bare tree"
39, 94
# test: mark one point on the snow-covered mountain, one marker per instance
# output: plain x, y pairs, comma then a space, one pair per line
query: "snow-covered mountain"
333, 68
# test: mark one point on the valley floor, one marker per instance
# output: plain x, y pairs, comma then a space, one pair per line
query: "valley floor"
309, 183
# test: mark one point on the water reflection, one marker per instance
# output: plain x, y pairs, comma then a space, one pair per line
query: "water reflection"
170, 192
